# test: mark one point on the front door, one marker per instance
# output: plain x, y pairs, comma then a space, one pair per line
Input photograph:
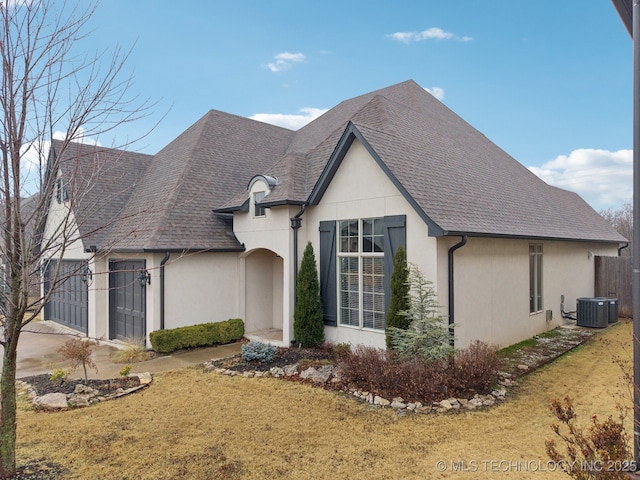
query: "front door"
128, 281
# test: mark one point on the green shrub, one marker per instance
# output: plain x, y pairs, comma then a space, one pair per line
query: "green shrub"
59, 376
230, 330
428, 333
308, 327
203, 335
262, 352
399, 302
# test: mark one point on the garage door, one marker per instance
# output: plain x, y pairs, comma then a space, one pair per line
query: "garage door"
69, 301
127, 300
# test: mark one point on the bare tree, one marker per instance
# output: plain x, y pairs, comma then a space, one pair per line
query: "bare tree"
47, 89
622, 220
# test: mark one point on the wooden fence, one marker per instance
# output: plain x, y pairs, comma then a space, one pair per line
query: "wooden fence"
613, 279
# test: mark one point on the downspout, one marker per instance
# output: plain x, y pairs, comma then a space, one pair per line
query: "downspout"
162, 264
624, 245
461, 244
296, 223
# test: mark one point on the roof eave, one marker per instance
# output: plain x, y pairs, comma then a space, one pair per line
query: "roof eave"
244, 207
507, 236
351, 133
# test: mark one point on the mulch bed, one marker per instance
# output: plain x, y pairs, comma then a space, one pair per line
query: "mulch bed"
283, 356
42, 384
40, 469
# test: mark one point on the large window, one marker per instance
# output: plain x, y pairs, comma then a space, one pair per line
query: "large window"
361, 273
535, 278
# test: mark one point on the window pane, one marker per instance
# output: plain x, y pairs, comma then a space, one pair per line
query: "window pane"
532, 283
367, 227
349, 291
349, 236
372, 235
539, 282
535, 278
373, 314
257, 198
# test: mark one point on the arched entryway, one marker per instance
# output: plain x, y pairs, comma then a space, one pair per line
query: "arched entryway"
264, 280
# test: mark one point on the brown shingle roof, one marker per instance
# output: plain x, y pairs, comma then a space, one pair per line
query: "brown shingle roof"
100, 181
456, 179
210, 162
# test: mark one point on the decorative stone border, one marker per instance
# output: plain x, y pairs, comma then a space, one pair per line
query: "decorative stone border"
331, 374
82, 396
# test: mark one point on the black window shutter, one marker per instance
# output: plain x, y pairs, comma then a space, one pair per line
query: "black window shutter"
328, 287
395, 234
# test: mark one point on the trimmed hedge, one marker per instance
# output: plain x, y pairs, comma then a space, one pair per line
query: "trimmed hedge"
203, 335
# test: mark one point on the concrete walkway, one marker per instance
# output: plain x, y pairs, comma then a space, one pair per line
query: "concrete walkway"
40, 341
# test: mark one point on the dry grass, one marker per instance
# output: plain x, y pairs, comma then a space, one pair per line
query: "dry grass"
196, 425
131, 354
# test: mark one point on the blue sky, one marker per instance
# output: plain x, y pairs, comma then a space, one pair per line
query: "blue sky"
549, 81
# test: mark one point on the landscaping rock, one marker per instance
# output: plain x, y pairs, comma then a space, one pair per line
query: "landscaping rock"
52, 401
79, 400
320, 375
499, 394
84, 389
290, 370
145, 378
276, 372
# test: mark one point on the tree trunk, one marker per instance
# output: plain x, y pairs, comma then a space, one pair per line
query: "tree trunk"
8, 410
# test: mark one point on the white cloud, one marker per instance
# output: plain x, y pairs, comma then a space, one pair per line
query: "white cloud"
602, 178
291, 121
433, 33
36, 153
284, 60
436, 92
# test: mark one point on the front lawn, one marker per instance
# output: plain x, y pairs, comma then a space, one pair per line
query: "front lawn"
197, 425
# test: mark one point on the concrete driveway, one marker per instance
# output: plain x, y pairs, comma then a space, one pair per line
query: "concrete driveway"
40, 341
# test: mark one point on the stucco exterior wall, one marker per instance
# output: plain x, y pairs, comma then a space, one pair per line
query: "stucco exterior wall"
492, 286
58, 215
199, 288
361, 189
266, 285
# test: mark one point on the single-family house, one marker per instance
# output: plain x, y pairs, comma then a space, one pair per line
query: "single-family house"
213, 226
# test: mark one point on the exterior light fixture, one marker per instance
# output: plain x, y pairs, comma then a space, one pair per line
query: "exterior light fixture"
86, 275
145, 278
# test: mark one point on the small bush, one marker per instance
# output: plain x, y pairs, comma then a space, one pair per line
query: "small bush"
258, 351
79, 353
475, 368
126, 370
203, 335
341, 351
59, 376
389, 375
604, 443
135, 352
